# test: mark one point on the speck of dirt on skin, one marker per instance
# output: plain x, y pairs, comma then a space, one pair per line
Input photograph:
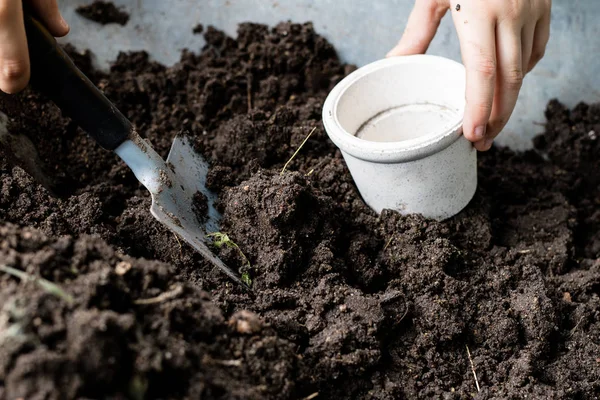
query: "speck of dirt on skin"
458, 7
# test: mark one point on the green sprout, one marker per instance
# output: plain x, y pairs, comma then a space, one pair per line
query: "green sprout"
138, 386
222, 239
46, 285
246, 278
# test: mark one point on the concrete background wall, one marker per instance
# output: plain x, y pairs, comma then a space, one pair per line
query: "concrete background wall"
362, 31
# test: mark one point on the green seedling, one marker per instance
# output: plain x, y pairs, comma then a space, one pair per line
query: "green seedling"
222, 239
297, 151
246, 278
138, 386
46, 285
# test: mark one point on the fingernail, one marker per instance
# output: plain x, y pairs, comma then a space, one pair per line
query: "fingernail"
488, 143
64, 23
479, 133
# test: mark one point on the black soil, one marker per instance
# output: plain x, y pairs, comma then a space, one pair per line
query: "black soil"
198, 29
103, 12
346, 304
200, 206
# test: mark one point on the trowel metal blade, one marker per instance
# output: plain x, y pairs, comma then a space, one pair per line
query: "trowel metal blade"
191, 170
173, 204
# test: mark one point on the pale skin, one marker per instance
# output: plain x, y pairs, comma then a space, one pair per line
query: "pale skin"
500, 41
14, 57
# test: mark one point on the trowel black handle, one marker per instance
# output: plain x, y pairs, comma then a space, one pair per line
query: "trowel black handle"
54, 74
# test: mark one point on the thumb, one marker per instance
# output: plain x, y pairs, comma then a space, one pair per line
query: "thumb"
421, 27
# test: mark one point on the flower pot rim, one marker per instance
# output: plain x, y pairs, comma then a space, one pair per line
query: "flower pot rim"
389, 152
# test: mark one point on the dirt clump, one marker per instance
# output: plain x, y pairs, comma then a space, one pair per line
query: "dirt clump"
198, 29
200, 206
133, 329
103, 12
346, 304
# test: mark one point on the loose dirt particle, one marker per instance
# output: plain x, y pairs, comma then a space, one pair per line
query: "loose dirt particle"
246, 322
122, 268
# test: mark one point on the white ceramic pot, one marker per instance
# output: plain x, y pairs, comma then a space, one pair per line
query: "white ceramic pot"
398, 124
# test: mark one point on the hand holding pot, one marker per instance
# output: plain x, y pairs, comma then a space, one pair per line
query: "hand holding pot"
14, 57
500, 40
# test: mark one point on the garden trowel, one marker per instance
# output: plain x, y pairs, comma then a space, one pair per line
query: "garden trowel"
173, 183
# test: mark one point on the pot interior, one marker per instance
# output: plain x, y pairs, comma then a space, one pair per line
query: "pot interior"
415, 99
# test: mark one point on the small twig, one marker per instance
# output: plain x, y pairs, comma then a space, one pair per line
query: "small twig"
179, 243
310, 172
388, 243
312, 396
229, 363
576, 326
249, 95
225, 363
297, 150
46, 285
473, 369
161, 297
405, 313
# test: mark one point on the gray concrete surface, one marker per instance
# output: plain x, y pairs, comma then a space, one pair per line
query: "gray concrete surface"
362, 31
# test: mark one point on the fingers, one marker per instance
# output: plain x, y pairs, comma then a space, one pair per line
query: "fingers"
47, 11
14, 57
527, 34
509, 80
421, 27
500, 42
540, 40
478, 47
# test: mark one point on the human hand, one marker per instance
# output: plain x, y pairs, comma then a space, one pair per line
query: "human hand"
500, 42
14, 56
